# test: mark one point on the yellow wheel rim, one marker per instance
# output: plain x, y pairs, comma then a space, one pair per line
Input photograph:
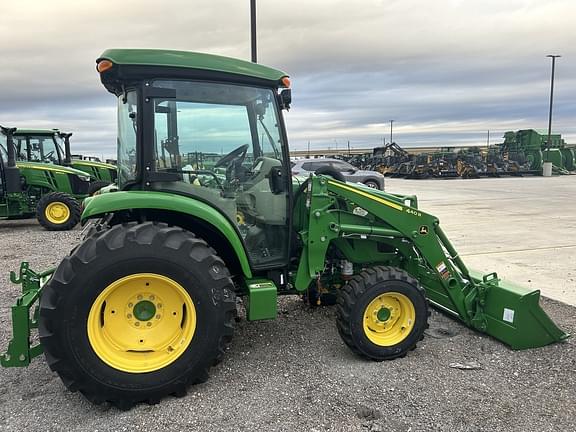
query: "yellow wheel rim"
57, 212
389, 319
141, 323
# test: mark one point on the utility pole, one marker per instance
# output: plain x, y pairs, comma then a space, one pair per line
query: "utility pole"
348, 147
553, 57
253, 30
391, 121
308, 149
488, 139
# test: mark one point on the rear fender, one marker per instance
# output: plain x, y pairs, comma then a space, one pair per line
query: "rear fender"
100, 205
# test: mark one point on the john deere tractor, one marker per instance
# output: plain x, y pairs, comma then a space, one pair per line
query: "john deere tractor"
34, 188
53, 146
146, 304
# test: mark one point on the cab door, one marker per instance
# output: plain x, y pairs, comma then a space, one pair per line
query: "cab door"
224, 143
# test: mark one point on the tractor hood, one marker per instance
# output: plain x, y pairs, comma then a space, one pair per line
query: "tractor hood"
94, 164
50, 167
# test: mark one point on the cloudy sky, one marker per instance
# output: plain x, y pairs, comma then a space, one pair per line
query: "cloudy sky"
446, 71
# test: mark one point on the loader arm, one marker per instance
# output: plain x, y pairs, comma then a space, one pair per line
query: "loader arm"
353, 219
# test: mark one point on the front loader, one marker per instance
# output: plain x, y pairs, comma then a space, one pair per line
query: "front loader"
145, 305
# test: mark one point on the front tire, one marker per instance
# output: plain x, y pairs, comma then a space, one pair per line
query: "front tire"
136, 313
58, 211
382, 313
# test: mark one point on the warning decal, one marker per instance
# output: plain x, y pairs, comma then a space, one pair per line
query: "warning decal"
443, 270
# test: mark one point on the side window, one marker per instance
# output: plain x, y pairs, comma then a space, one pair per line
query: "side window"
39, 149
340, 166
267, 126
3, 160
197, 135
220, 143
21, 148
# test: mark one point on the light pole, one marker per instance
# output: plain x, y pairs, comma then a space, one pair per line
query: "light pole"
547, 170
391, 121
253, 30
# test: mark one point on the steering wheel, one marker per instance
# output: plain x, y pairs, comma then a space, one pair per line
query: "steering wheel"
239, 152
48, 155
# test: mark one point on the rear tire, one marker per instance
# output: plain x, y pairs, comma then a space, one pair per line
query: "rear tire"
90, 309
382, 313
58, 211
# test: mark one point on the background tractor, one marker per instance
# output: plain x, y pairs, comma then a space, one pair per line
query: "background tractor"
32, 188
145, 305
53, 146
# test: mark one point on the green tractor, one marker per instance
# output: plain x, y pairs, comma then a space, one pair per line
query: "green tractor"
32, 188
146, 304
53, 146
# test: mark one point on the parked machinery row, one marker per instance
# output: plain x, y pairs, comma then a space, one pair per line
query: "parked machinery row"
521, 153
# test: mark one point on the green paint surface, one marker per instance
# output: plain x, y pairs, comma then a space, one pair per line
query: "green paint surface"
126, 200
190, 60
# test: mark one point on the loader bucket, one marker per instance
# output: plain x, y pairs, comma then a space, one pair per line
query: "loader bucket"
512, 314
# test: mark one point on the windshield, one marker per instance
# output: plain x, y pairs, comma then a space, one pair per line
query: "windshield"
127, 112
3, 152
37, 148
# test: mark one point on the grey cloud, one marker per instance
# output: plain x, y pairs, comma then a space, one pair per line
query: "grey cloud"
446, 71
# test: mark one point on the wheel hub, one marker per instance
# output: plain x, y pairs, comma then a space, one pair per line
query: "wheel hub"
389, 318
383, 314
144, 310
141, 323
57, 212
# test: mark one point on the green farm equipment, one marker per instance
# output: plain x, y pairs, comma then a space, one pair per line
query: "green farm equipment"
146, 304
53, 146
38, 189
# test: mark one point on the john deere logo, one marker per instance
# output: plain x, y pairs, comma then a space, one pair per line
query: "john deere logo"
423, 230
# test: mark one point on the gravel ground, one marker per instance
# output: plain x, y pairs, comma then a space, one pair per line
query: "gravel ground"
295, 373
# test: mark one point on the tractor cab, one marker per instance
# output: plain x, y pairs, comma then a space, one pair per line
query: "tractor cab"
52, 146
39, 145
207, 128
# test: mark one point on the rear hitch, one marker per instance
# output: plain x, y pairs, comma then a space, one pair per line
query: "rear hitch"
21, 349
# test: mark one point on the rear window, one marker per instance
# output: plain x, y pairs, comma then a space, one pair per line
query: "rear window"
313, 166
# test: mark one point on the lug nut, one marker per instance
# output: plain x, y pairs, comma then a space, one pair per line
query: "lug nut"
137, 323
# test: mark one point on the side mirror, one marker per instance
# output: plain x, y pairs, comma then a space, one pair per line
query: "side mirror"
277, 180
285, 99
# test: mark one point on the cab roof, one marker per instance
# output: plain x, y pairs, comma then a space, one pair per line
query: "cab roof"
192, 61
36, 131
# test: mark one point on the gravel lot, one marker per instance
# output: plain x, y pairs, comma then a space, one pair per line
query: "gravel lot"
294, 373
